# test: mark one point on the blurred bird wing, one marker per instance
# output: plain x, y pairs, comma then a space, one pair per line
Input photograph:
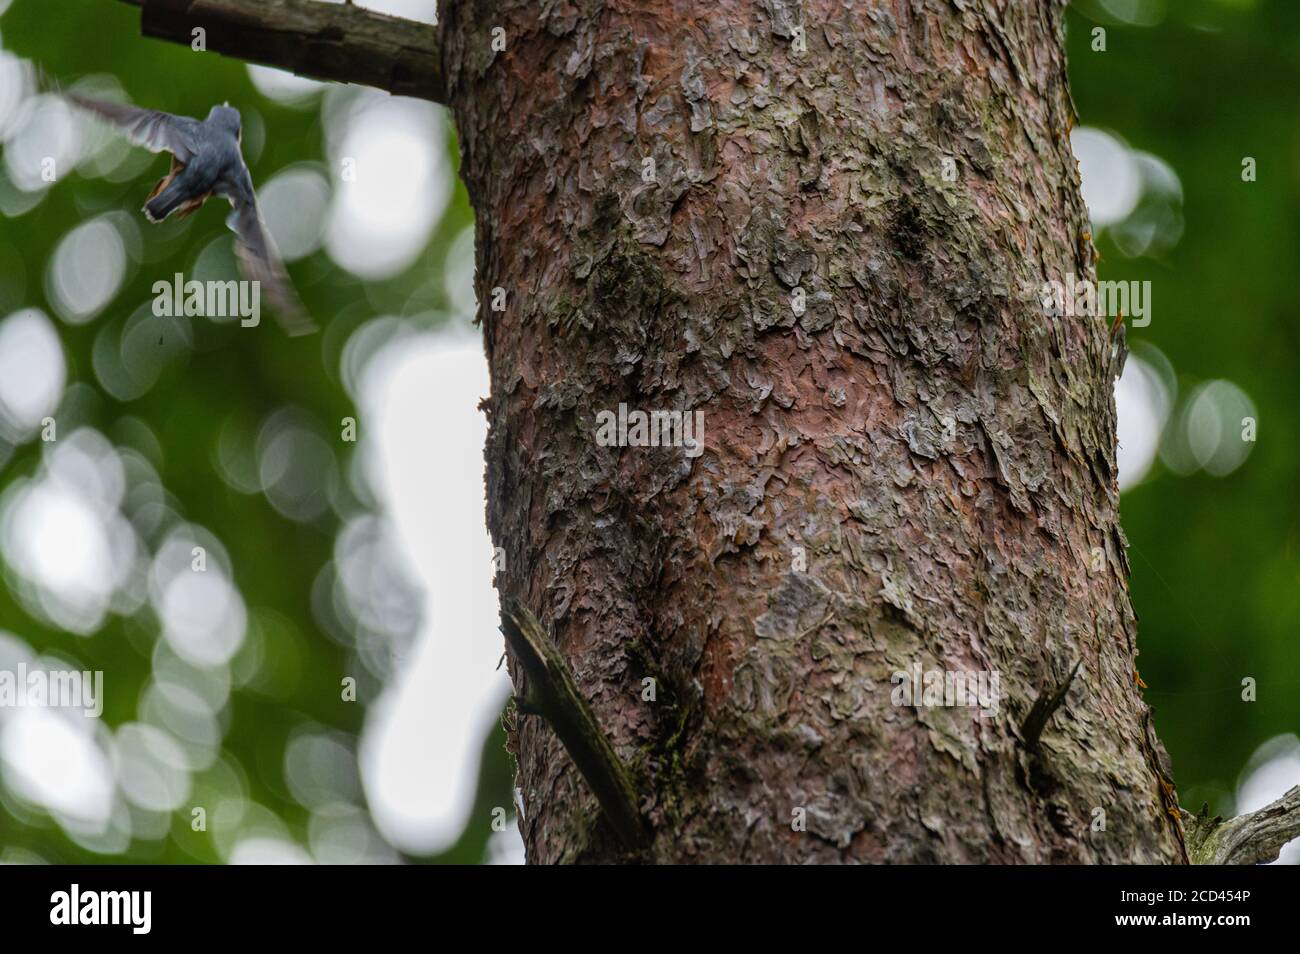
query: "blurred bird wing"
151, 128
260, 262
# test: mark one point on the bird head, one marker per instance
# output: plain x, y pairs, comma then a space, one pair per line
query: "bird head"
227, 117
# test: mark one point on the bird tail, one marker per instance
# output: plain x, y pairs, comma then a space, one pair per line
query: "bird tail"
166, 198
158, 206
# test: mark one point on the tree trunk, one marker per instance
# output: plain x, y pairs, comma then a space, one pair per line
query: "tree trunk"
906, 462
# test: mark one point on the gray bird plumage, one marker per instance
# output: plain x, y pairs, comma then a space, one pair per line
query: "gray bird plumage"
206, 161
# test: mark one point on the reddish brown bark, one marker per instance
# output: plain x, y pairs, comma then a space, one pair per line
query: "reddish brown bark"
938, 450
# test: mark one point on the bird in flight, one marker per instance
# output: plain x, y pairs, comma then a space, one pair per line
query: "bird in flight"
206, 161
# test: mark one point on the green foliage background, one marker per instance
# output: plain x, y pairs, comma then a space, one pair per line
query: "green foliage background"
231, 376
1216, 561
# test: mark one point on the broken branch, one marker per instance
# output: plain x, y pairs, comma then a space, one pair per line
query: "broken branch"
325, 41
1249, 839
1048, 701
553, 694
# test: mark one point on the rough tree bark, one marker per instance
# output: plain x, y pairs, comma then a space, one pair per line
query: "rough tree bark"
906, 461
